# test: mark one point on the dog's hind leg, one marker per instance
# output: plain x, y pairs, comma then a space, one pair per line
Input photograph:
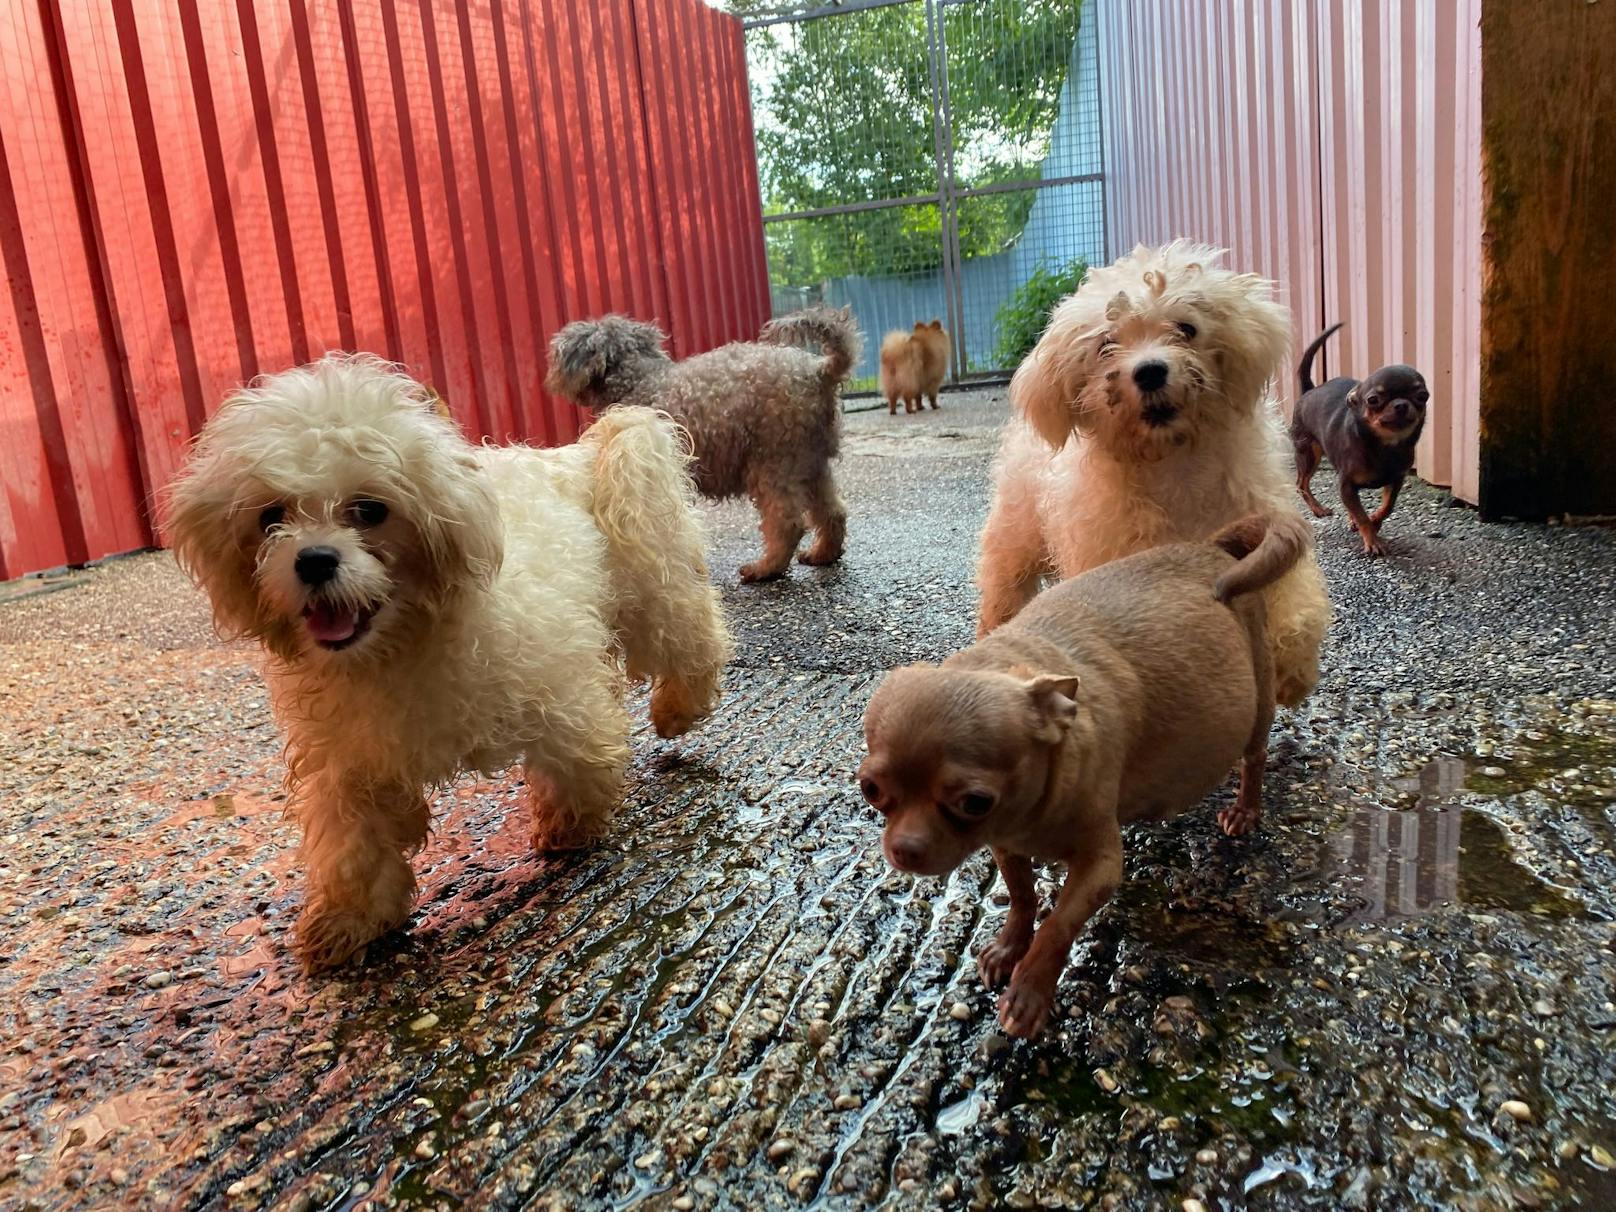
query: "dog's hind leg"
781, 515
1308, 454
1242, 816
574, 769
358, 837
665, 614
828, 516
1298, 608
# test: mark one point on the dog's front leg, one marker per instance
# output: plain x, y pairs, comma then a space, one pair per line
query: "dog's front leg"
358, 838
574, 771
1000, 957
1388, 498
1090, 880
1012, 563
1360, 520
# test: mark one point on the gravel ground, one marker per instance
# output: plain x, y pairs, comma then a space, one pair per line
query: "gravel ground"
1398, 993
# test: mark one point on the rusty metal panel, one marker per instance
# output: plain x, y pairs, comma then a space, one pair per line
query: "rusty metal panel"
67, 450
194, 193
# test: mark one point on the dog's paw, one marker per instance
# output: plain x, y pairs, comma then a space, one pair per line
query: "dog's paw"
553, 837
1024, 1007
817, 558
1321, 511
999, 958
328, 937
1372, 546
759, 571
1238, 819
676, 708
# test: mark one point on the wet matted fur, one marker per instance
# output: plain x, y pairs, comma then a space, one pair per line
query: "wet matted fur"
430, 606
1144, 417
764, 417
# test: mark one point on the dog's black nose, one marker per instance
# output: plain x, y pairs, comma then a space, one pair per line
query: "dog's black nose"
1150, 376
316, 565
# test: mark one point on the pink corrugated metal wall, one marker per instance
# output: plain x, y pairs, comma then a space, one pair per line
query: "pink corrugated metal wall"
196, 191
1334, 145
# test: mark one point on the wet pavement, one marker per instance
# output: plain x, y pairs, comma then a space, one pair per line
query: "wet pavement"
1400, 992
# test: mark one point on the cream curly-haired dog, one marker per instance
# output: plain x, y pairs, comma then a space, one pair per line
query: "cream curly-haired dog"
1145, 419
431, 606
764, 417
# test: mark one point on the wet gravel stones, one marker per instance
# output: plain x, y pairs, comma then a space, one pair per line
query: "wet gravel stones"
1398, 993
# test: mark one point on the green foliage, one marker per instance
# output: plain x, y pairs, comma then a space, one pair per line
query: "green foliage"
1022, 317
843, 108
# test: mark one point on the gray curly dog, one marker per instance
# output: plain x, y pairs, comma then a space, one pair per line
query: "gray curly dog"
764, 417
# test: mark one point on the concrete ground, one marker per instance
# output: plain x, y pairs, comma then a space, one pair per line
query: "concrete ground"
1401, 992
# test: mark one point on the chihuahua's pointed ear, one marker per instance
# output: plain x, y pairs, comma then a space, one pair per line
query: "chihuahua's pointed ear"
1053, 699
1352, 397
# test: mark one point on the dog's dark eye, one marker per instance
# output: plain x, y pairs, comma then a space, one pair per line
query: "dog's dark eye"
1107, 348
1187, 331
976, 805
366, 512
272, 515
870, 789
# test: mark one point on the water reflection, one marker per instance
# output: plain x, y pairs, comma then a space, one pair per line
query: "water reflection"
1428, 857
1404, 862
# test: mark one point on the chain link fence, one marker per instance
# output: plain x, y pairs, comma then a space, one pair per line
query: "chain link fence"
929, 159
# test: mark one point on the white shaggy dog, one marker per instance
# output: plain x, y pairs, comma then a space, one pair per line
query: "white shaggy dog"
1145, 419
431, 606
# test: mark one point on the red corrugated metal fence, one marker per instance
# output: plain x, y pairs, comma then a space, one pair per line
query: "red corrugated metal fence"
196, 191
1334, 145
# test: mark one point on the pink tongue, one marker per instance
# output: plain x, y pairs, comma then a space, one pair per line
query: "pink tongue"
329, 625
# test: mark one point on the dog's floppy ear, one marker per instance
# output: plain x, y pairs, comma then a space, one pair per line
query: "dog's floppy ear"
1053, 699
201, 517
1046, 388
199, 511
462, 538
584, 354
1256, 348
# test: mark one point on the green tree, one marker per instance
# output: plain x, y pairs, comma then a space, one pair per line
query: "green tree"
843, 107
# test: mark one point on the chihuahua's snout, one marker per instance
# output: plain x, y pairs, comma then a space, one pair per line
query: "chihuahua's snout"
906, 854
316, 565
1151, 375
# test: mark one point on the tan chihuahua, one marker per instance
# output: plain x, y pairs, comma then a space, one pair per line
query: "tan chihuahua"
1124, 694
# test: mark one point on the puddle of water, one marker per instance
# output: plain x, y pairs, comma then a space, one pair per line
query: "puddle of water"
957, 1117
773, 806
1277, 1166
1424, 859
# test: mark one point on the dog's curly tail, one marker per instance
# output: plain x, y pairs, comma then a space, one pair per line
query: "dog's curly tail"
1304, 372
666, 611
831, 328
1267, 548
